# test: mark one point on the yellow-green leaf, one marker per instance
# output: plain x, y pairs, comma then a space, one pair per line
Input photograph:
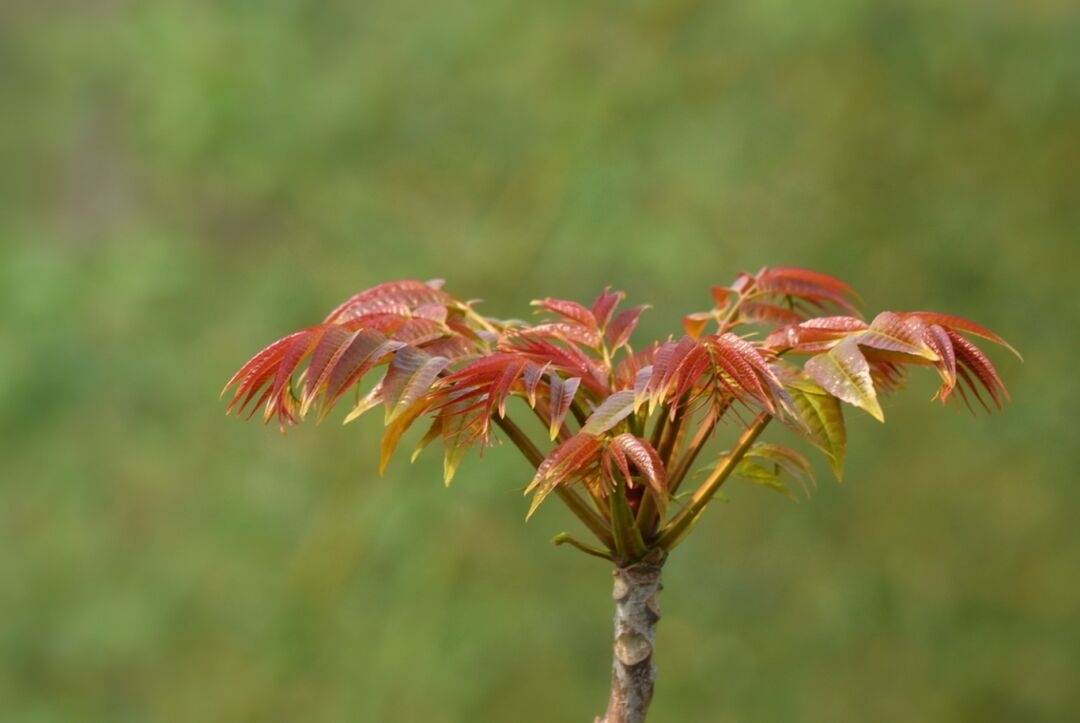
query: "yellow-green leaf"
844, 372
822, 421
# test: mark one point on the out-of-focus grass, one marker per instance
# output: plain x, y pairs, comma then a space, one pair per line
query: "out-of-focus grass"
185, 181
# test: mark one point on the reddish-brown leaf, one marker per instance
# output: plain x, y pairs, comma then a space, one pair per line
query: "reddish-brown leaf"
502, 387
561, 397
394, 297
280, 399
365, 351
569, 461
972, 359
899, 336
746, 367
532, 376
814, 335
722, 295
569, 332
665, 369
622, 327
257, 371
938, 339
959, 323
695, 324
769, 313
410, 376
605, 304
805, 284
566, 358
572, 310
326, 354
645, 459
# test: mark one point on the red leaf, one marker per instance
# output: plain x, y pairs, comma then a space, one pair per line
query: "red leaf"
533, 374
411, 374
722, 295
280, 400
694, 324
622, 327
959, 323
897, 334
693, 366
605, 304
257, 371
500, 390
568, 332
323, 360
665, 369
645, 460
972, 359
490, 379
626, 371
816, 278
814, 335
568, 461
571, 310
418, 331
938, 339
365, 351
451, 347
567, 358
770, 313
562, 396
747, 368
391, 297
805, 284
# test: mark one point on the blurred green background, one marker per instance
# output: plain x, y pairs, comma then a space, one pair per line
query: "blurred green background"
183, 182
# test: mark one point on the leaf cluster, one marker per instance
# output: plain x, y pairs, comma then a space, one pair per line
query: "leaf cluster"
625, 424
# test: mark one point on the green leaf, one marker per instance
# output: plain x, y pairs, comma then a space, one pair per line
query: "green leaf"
785, 460
395, 429
456, 441
613, 410
765, 476
433, 433
369, 401
844, 372
822, 421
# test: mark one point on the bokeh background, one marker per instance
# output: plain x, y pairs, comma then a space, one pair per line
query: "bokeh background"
183, 182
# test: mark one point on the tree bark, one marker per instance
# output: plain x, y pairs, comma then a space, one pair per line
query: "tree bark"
637, 610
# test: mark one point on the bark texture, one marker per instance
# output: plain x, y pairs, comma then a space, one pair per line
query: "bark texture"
637, 610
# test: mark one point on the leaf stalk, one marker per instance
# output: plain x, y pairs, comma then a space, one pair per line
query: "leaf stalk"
673, 532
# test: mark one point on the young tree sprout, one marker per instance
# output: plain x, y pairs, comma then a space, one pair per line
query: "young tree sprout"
622, 426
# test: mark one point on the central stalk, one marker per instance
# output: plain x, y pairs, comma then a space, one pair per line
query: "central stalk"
637, 610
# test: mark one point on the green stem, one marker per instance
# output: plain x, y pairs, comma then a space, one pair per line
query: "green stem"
678, 473
647, 515
673, 532
628, 543
565, 539
659, 426
579, 412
